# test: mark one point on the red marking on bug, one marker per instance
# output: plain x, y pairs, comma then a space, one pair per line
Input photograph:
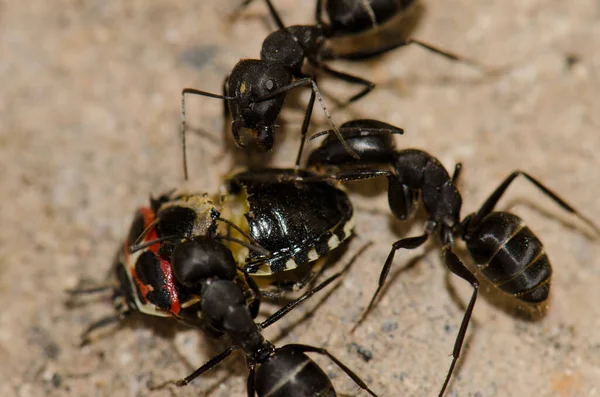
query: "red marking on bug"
169, 286
149, 217
144, 288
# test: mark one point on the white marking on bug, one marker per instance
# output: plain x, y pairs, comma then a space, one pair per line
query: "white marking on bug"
290, 264
333, 242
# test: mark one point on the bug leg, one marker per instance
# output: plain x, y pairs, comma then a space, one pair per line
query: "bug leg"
490, 203
456, 266
81, 290
341, 365
405, 243
86, 339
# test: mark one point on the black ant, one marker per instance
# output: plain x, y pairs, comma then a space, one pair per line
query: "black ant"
275, 372
255, 90
507, 253
308, 42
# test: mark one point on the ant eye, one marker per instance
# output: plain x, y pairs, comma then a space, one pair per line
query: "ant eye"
270, 85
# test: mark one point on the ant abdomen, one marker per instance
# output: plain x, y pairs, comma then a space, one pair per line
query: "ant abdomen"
511, 257
352, 17
291, 373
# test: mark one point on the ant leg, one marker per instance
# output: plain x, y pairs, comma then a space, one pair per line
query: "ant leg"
357, 175
341, 365
356, 127
369, 86
213, 362
192, 91
366, 54
319, 13
490, 203
272, 11
255, 305
405, 243
305, 125
100, 323
290, 306
282, 288
309, 81
456, 266
309, 278
274, 14
456, 173
250, 385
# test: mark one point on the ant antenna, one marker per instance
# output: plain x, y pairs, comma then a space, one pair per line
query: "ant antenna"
136, 247
256, 248
236, 227
183, 126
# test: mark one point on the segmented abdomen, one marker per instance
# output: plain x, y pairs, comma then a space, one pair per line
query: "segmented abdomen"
291, 373
511, 257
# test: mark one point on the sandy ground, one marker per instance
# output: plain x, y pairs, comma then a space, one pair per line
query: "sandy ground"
89, 113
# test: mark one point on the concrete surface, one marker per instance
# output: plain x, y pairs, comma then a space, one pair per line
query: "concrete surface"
89, 113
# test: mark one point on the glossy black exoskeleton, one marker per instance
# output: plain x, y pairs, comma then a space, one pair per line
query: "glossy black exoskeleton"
348, 17
277, 228
293, 215
506, 251
173, 265
273, 372
300, 43
255, 90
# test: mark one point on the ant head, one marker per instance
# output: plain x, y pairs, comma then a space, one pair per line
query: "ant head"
256, 86
196, 260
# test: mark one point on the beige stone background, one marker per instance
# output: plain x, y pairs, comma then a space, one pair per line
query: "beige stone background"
89, 113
